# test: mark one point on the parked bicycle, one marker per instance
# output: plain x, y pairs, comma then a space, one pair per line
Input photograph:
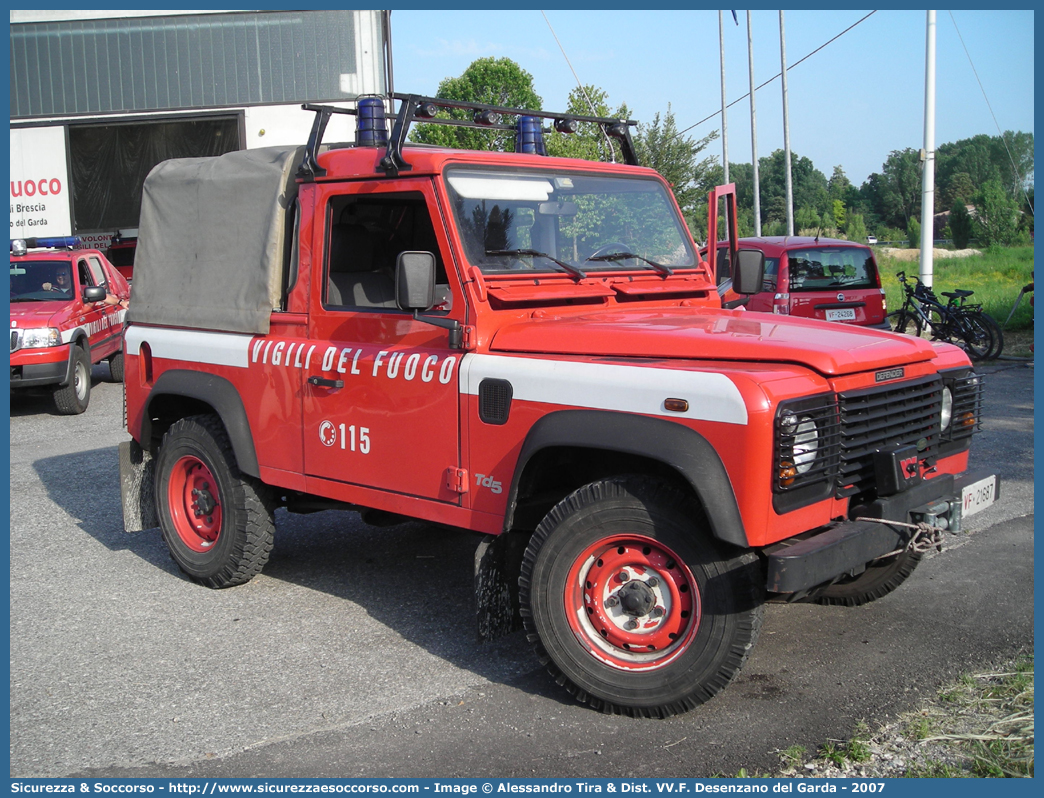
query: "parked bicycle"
957, 322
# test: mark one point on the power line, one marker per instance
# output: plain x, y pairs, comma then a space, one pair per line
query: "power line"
1014, 168
778, 74
612, 152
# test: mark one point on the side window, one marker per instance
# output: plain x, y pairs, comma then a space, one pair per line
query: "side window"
366, 235
771, 277
98, 272
724, 267
85, 274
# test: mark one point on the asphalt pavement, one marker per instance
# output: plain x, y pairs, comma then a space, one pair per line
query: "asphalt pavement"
354, 653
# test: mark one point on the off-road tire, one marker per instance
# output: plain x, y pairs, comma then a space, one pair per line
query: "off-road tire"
116, 367
878, 580
710, 598
72, 399
196, 471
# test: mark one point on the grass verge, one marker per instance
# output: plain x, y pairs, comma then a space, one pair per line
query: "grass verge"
979, 727
996, 276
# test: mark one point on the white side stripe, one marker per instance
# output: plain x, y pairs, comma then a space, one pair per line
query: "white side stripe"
603, 386
218, 349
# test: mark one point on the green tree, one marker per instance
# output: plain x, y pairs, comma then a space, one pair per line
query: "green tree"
960, 225
959, 188
590, 142
677, 159
855, 229
839, 214
839, 186
996, 216
806, 218
492, 81
900, 188
809, 186
913, 233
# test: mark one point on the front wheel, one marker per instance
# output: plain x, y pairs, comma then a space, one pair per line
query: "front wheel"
902, 322
631, 605
217, 522
72, 399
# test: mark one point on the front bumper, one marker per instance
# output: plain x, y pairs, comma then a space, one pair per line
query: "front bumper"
801, 563
33, 367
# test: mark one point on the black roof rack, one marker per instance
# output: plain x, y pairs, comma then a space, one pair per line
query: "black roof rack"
415, 108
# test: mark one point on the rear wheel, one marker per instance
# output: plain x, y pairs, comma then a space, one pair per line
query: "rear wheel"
976, 337
116, 367
217, 522
998, 334
72, 399
631, 605
879, 579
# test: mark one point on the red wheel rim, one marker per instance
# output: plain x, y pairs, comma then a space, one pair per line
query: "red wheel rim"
632, 602
194, 502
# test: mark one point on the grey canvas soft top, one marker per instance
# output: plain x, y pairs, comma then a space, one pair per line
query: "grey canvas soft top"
213, 240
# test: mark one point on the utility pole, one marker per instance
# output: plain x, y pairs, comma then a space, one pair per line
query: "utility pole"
786, 129
928, 156
754, 134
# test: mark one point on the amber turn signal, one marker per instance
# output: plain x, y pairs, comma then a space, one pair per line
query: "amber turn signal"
676, 405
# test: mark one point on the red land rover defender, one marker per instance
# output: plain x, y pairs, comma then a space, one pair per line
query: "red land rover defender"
531, 348
60, 321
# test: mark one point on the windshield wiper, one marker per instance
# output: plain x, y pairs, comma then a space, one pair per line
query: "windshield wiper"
666, 271
533, 253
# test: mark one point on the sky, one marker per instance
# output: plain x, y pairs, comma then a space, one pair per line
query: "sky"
850, 104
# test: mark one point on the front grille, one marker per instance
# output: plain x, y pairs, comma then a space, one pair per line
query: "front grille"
14, 340
883, 418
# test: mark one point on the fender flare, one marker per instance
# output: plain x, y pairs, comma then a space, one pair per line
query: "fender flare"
220, 394
79, 337
678, 446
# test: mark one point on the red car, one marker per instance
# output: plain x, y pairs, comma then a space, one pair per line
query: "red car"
61, 321
817, 278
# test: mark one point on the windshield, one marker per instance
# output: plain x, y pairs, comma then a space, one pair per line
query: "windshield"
566, 222
40, 280
833, 267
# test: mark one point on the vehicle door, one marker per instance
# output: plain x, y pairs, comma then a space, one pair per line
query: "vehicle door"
95, 317
381, 398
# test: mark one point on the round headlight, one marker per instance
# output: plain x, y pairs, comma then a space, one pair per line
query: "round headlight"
947, 409
806, 443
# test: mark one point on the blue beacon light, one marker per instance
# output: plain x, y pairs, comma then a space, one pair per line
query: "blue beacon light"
371, 128
529, 137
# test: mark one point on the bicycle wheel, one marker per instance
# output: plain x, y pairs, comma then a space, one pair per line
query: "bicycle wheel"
901, 321
998, 334
976, 337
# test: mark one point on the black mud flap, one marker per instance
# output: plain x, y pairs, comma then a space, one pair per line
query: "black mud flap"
498, 563
137, 469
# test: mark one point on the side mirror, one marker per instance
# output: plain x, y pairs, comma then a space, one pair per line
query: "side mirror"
415, 280
94, 293
748, 272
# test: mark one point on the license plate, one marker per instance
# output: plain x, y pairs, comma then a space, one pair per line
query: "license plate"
843, 314
978, 496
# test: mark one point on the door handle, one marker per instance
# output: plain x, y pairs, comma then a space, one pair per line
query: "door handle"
325, 383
